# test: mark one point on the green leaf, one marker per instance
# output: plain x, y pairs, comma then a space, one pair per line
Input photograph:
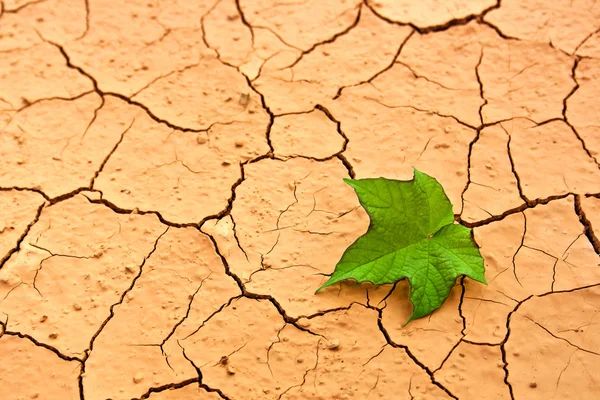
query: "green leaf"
412, 235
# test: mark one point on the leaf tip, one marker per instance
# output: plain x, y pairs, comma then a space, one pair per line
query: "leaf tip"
323, 286
416, 172
412, 317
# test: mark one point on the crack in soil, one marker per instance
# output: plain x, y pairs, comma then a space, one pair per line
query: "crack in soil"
587, 225
412, 356
200, 377
518, 209
387, 68
437, 28
564, 111
89, 350
54, 350
527, 203
329, 40
17, 247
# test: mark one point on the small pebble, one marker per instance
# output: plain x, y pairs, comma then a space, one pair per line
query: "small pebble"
230, 370
53, 335
138, 377
333, 344
533, 385
244, 99
76, 307
44, 318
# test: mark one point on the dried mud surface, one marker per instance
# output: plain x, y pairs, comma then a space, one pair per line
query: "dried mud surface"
171, 196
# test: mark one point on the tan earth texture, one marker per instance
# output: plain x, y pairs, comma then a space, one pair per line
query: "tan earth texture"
172, 195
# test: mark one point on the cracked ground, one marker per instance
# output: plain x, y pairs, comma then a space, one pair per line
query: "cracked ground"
171, 196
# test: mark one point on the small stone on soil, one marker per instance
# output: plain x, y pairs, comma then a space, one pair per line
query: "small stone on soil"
138, 378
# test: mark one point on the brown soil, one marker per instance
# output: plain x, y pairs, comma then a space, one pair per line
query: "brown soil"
171, 196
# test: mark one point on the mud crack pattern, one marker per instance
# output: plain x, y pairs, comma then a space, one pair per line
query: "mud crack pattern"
171, 196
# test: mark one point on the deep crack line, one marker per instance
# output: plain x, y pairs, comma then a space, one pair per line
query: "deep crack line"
187, 313
503, 346
21, 238
200, 376
158, 215
480, 82
437, 28
564, 111
109, 155
38, 343
263, 102
169, 386
469, 156
329, 40
88, 352
117, 95
387, 68
87, 20
512, 166
587, 225
532, 204
516, 253
255, 296
244, 20
26, 189
389, 340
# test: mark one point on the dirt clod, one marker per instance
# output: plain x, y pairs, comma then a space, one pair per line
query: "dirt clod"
138, 378
333, 344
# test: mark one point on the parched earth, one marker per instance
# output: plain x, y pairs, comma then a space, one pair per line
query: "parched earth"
171, 196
